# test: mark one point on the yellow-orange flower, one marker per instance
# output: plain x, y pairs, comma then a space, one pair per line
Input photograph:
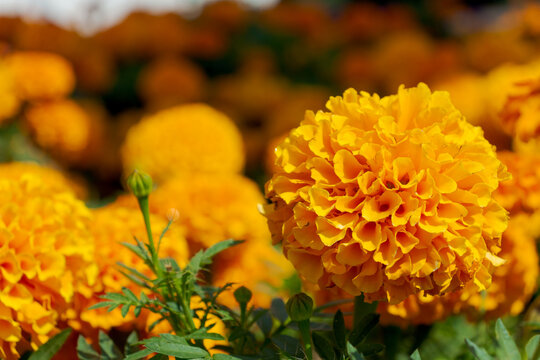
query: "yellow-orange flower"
40, 75
182, 140
521, 193
9, 101
52, 178
257, 266
47, 257
169, 81
388, 196
113, 225
512, 286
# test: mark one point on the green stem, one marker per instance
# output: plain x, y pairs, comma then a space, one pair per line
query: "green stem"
305, 332
143, 205
362, 308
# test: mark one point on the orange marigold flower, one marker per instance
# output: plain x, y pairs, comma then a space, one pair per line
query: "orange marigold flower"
47, 257
113, 225
9, 101
182, 140
388, 196
49, 176
40, 75
521, 193
63, 128
257, 266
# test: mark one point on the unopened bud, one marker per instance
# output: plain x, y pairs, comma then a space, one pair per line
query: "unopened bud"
140, 183
242, 295
300, 307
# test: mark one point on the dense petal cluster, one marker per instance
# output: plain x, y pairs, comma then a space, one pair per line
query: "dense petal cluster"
512, 286
184, 139
52, 178
47, 258
388, 196
40, 75
111, 226
9, 101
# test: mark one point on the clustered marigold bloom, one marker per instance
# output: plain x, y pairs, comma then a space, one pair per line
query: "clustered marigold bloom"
113, 225
52, 178
514, 92
40, 75
9, 101
512, 286
47, 258
388, 197
61, 127
259, 267
182, 140
521, 193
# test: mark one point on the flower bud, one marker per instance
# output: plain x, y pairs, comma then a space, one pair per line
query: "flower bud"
140, 183
242, 295
300, 307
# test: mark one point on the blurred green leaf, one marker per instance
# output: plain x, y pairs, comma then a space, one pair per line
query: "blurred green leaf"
478, 352
109, 351
85, 351
323, 346
340, 333
362, 329
508, 345
51, 347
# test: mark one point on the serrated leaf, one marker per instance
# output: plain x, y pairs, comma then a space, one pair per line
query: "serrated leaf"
133, 271
415, 355
85, 351
101, 305
51, 347
203, 334
216, 249
369, 349
363, 328
533, 348
278, 310
129, 294
125, 309
508, 345
109, 351
323, 346
340, 333
478, 352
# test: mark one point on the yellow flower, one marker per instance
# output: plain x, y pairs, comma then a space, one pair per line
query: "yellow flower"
388, 196
47, 257
513, 91
512, 286
182, 140
257, 266
50, 177
113, 225
9, 101
521, 193
61, 127
40, 75
169, 81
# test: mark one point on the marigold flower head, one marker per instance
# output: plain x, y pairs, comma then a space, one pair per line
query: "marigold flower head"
182, 140
9, 101
52, 178
47, 257
65, 129
40, 75
113, 225
388, 196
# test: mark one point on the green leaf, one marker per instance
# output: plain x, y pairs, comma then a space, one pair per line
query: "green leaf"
508, 344
340, 333
109, 351
138, 355
202, 334
51, 347
362, 329
125, 310
415, 355
161, 345
362, 308
216, 249
264, 321
369, 349
85, 351
131, 346
323, 346
279, 310
102, 305
225, 357
478, 352
354, 353
532, 348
